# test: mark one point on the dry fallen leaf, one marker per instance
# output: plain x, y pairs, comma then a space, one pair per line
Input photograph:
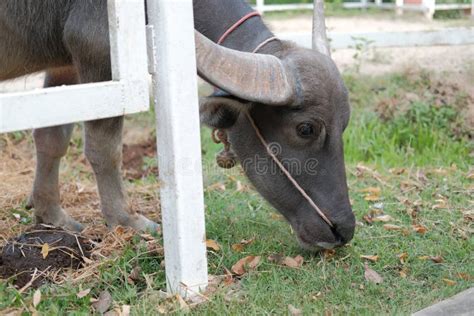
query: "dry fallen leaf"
373, 194
403, 257
103, 303
45, 250
464, 276
372, 276
449, 282
290, 262
239, 247
329, 253
216, 187
212, 244
440, 204
83, 293
36, 298
293, 311
436, 259
371, 258
403, 272
392, 227
245, 264
420, 229
382, 218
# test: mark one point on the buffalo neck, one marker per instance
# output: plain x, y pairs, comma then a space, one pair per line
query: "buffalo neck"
213, 18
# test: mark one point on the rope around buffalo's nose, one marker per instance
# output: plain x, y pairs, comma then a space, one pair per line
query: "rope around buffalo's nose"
286, 172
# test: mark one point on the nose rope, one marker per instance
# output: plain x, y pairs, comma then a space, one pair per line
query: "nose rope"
286, 172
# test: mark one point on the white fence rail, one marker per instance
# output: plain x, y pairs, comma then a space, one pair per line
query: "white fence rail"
450, 36
175, 93
127, 93
427, 6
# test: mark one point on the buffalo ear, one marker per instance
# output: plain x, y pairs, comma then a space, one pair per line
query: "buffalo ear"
219, 112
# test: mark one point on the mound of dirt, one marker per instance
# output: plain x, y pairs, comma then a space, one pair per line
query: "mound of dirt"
32, 256
133, 159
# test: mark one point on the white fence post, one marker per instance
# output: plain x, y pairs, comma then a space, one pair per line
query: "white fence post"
378, 3
430, 8
260, 6
179, 148
399, 7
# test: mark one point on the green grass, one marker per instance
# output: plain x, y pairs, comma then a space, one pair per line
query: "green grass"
428, 140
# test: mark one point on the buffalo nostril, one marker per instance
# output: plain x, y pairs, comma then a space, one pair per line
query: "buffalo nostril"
344, 230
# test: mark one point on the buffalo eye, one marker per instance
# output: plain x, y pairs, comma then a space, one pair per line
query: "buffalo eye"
306, 130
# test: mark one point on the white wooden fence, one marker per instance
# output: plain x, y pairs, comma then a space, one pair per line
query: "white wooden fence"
448, 36
427, 6
171, 35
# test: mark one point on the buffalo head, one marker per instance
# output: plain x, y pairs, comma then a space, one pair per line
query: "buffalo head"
298, 102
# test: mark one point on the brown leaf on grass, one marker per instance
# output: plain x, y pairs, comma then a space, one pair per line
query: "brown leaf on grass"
464, 276
373, 194
239, 247
11, 312
372, 197
245, 264
367, 219
135, 275
103, 303
420, 229
290, 262
240, 187
403, 257
329, 253
397, 171
36, 298
372, 276
437, 259
216, 187
449, 282
83, 293
45, 250
293, 262
440, 204
212, 244
392, 227
403, 272
382, 218
293, 311
370, 258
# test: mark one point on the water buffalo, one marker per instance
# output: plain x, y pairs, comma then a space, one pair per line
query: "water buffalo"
270, 92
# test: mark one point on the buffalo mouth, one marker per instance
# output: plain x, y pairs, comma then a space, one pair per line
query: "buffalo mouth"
315, 234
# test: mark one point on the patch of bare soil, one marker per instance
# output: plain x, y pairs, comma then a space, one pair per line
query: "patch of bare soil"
30, 258
134, 163
78, 197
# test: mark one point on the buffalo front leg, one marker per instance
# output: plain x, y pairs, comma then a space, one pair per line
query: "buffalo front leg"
103, 149
51, 145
